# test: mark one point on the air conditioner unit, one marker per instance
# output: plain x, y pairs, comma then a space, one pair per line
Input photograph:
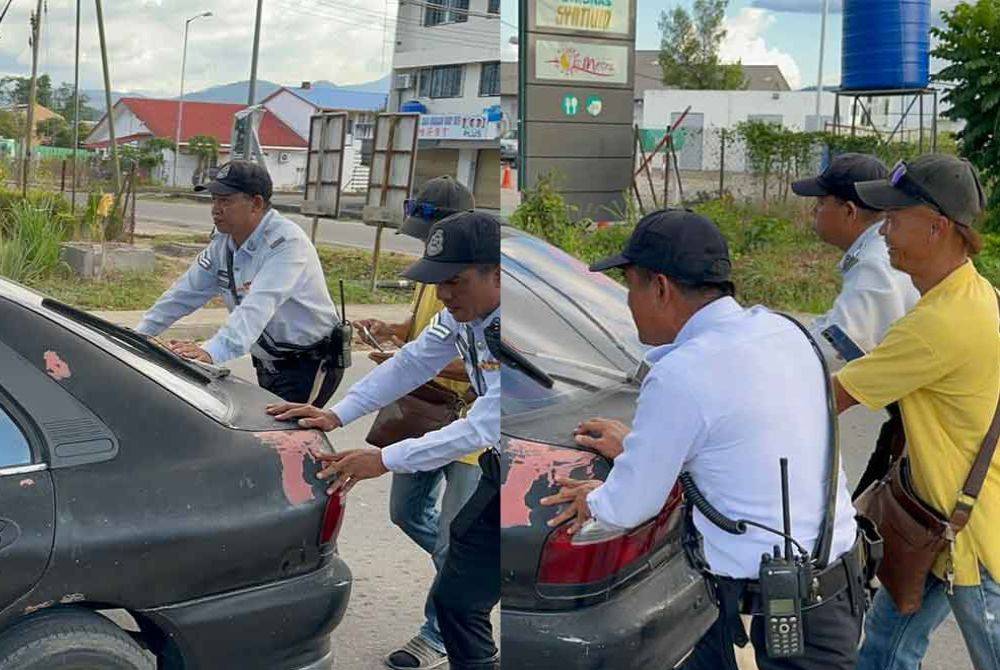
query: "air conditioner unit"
402, 81
284, 157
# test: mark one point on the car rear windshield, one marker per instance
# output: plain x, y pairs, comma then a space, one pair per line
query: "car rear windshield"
573, 324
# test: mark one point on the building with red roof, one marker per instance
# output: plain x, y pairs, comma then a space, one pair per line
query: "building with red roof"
138, 120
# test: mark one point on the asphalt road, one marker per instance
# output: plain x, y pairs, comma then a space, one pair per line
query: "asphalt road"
391, 574
184, 216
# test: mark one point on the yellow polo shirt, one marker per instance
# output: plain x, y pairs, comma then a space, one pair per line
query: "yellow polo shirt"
941, 361
425, 306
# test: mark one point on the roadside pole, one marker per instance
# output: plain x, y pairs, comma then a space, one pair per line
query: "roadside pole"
36, 32
107, 99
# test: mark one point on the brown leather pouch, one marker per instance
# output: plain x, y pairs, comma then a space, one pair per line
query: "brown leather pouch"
425, 409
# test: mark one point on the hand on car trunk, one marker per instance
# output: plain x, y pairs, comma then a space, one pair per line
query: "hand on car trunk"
574, 493
190, 350
605, 436
350, 467
308, 416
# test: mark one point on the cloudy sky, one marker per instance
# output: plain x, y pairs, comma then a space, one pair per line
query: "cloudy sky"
301, 40
779, 32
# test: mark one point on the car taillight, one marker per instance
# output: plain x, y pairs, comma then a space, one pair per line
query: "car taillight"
333, 518
594, 555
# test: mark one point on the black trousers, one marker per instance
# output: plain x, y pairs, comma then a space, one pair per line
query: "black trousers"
468, 586
293, 381
831, 632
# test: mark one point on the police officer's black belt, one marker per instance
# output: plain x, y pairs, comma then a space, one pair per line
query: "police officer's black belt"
828, 583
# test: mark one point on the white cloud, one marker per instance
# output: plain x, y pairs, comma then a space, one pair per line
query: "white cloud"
745, 43
322, 39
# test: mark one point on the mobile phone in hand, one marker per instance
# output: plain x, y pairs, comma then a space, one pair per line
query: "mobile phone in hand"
367, 336
842, 343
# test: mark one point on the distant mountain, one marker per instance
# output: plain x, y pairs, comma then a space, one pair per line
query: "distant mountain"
233, 93
377, 86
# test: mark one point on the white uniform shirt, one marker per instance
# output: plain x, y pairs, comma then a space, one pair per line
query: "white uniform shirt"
281, 285
874, 295
418, 362
737, 390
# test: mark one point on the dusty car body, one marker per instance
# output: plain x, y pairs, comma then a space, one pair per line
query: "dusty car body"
620, 600
138, 485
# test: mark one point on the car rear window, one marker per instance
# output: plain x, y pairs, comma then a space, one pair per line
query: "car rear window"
14, 449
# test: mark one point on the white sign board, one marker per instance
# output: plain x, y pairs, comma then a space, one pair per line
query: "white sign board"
606, 17
581, 62
457, 127
393, 160
325, 164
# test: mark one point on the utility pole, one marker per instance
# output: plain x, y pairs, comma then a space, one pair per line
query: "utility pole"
116, 166
36, 32
253, 58
76, 108
819, 77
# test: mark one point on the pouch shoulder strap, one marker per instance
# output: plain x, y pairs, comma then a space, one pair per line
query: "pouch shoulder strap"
980, 468
232, 279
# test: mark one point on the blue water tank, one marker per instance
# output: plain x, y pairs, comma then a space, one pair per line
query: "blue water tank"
886, 44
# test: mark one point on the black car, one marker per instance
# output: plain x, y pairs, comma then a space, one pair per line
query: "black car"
595, 599
151, 514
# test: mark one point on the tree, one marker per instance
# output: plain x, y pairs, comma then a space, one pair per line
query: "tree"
689, 48
969, 41
17, 90
48, 130
64, 101
206, 148
11, 125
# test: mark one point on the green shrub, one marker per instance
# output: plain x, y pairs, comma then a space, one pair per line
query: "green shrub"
544, 213
30, 236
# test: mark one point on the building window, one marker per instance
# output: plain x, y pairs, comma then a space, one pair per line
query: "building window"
446, 11
489, 79
441, 82
493, 7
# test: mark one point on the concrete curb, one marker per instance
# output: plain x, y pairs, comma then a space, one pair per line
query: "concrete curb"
204, 323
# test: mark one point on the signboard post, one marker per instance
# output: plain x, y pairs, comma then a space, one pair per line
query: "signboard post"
577, 107
324, 166
390, 180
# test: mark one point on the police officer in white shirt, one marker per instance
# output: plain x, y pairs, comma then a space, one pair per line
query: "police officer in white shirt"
874, 294
729, 392
462, 258
269, 277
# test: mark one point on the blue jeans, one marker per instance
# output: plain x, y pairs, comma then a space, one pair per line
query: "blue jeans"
413, 508
897, 642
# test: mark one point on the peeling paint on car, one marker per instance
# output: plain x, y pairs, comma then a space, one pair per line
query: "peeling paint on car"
26, 483
56, 367
72, 598
531, 462
293, 448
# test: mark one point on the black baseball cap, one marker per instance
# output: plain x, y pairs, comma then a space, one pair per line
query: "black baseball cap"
678, 243
454, 243
437, 198
239, 177
947, 183
839, 178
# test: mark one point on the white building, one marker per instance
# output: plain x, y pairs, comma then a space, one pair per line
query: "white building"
446, 65
138, 120
296, 105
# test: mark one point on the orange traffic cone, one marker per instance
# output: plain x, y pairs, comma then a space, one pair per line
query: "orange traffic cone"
508, 177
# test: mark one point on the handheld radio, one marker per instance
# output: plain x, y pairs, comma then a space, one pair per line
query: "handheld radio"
785, 582
343, 334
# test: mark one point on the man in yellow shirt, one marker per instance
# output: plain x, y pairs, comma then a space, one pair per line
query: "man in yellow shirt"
941, 362
413, 500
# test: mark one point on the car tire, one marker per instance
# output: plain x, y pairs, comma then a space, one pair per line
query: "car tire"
70, 639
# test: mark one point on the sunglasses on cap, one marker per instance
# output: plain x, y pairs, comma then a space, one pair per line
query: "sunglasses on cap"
425, 210
899, 179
